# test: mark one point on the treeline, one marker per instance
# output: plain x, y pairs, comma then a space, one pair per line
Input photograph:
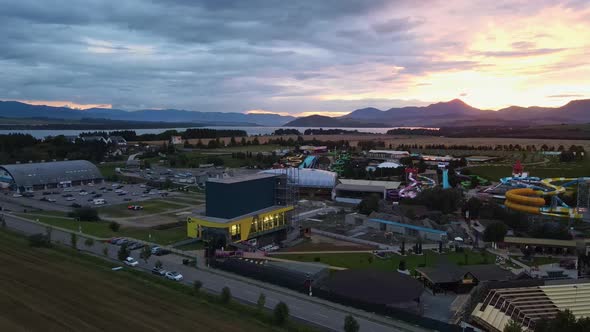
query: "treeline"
192, 133
550, 132
406, 131
498, 147
281, 132
23, 148
330, 131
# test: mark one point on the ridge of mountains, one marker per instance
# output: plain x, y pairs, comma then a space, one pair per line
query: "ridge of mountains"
454, 113
15, 109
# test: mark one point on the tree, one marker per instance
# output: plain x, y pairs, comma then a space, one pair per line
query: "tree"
123, 252
281, 313
146, 253
495, 232
197, 285
89, 242
255, 141
512, 326
39, 240
474, 205
114, 226
158, 264
74, 240
261, 302
402, 249
225, 295
350, 324
3, 221
402, 265
368, 205
105, 250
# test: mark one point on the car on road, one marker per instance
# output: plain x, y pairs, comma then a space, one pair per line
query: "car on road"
130, 261
173, 275
159, 271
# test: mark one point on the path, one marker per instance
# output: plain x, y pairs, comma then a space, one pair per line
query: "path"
325, 314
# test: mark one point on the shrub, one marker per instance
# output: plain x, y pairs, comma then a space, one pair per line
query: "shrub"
39, 240
89, 242
402, 265
114, 226
74, 240
350, 324
225, 295
317, 259
261, 301
281, 313
85, 214
105, 250
197, 285
123, 252
159, 264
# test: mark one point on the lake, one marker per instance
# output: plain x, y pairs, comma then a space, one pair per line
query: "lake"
249, 130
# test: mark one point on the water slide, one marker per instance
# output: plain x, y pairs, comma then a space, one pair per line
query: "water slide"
308, 162
531, 198
416, 185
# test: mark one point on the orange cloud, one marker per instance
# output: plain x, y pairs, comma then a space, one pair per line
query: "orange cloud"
69, 104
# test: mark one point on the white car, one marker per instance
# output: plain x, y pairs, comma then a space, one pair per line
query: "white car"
69, 199
131, 261
118, 191
83, 193
17, 195
173, 275
51, 200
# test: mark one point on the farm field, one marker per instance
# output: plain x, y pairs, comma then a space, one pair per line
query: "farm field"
101, 229
81, 293
370, 261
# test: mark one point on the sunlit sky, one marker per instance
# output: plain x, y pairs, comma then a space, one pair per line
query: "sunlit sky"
294, 57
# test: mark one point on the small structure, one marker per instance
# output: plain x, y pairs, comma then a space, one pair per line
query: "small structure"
98, 139
558, 247
175, 140
408, 229
386, 155
460, 279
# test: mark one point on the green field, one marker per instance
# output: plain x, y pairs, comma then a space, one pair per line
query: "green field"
539, 261
551, 169
108, 169
101, 229
192, 246
149, 207
62, 290
370, 261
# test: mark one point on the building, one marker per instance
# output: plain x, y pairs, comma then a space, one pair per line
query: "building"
408, 229
241, 208
40, 176
118, 140
387, 154
538, 245
99, 139
460, 279
353, 191
175, 140
309, 181
527, 305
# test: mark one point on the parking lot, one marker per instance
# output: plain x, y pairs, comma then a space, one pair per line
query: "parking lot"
97, 195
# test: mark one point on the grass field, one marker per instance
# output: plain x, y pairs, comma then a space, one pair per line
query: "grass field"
551, 169
192, 246
149, 207
60, 290
108, 169
539, 261
370, 261
101, 229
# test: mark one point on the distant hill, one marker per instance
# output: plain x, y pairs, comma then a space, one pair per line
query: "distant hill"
13, 109
454, 113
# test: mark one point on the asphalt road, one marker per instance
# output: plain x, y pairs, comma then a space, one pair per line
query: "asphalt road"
316, 311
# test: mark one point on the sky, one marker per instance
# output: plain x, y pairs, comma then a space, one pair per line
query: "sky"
295, 57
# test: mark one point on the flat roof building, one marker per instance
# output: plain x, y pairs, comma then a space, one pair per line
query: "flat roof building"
241, 208
40, 176
353, 191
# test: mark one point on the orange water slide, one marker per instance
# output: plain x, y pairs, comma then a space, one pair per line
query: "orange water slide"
521, 200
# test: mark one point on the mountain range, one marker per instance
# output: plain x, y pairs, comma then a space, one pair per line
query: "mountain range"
454, 113
14, 109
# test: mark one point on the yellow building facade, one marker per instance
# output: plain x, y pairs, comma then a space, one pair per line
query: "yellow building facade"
242, 227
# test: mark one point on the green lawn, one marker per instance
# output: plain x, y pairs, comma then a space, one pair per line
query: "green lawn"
149, 207
101, 229
108, 169
539, 261
370, 261
248, 148
552, 169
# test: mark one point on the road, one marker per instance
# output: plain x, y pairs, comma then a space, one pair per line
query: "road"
329, 316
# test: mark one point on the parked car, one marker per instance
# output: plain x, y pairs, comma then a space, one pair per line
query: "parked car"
69, 199
113, 240
120, 241
136, 245
28, 195
135, 207
131, 262
155, 249
17, 195
83, 193
159, 271
162, 252
45, 193
173, 275
66, 195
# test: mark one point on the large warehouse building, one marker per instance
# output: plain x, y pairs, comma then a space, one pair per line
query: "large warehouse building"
241, 208
41, 176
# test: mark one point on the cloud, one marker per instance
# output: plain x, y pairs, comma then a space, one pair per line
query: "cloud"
289, 56
567, 95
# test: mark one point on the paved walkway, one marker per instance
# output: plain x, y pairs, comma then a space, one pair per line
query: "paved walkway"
318, 312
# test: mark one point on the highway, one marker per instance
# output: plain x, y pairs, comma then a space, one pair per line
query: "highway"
318, 312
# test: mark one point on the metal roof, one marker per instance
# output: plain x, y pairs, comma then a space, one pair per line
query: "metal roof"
359, 188
52, 172
387, 184
243, 178
418, 228
539, 241
307, 177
